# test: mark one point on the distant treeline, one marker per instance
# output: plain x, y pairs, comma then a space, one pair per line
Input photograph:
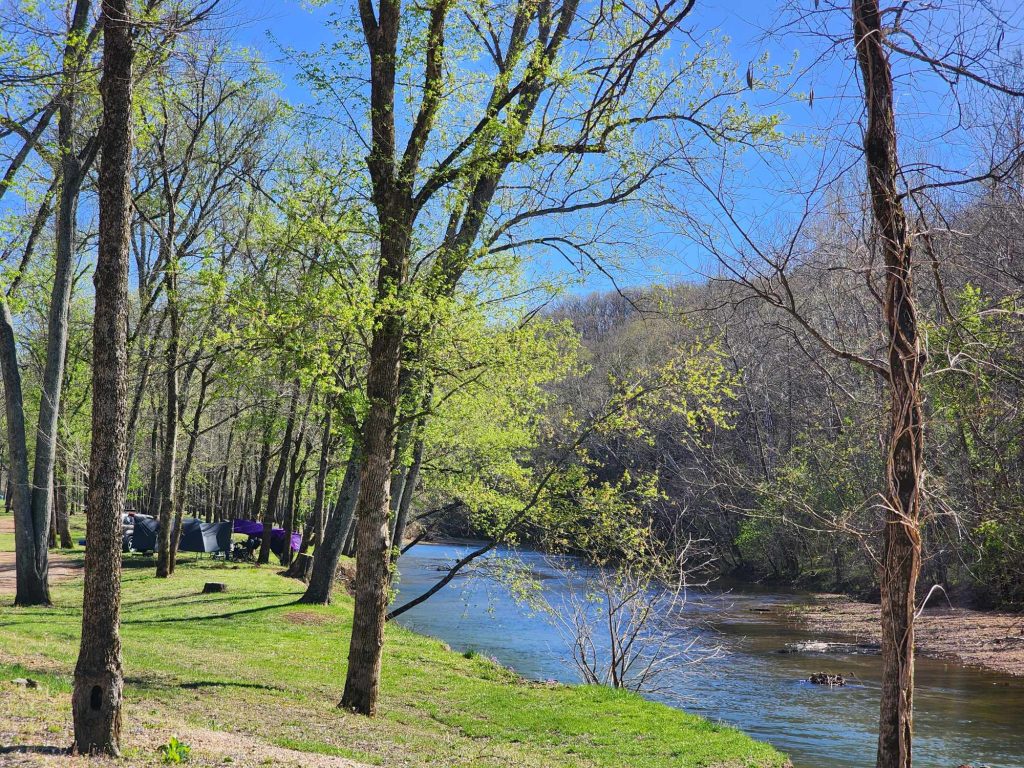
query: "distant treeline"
789, 492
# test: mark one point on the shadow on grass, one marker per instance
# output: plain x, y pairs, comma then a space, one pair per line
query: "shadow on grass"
137, 563
198, 684
193, 597
208, 617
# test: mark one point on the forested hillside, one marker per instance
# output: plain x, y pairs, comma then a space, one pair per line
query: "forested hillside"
788, 488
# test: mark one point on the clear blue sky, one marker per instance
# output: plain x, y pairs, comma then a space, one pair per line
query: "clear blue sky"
766, 198
265, 25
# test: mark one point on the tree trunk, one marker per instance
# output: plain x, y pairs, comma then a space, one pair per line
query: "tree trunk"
261, 477
240, 486
301, 565
168, 463
373, 535
60, 498
222, 493
319, 518
32, 504
154, 471
31, 569
146, 358
405, 503
289, 516
178, 498
349, 549
901, 560
99, 681
275, 486
336, 532
72, 171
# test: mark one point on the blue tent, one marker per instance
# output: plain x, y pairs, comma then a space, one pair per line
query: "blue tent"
196, 536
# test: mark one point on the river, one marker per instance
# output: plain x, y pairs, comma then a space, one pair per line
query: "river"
962, 716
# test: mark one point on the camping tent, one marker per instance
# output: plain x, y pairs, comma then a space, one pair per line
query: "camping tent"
196, 536
277, 535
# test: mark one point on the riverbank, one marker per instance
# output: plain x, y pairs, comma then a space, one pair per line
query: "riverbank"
251, 678
985, 639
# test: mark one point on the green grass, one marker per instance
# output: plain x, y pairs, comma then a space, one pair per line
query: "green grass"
251, 661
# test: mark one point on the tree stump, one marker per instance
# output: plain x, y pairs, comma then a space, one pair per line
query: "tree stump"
214, 586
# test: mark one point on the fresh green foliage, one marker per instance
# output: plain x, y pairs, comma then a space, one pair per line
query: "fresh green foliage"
175, 751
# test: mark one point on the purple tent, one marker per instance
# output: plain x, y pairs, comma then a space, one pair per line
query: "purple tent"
277, 535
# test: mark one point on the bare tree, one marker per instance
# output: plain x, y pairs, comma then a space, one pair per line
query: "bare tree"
901, 559
623, 623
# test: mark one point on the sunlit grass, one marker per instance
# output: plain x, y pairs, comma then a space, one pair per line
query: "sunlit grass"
253, 661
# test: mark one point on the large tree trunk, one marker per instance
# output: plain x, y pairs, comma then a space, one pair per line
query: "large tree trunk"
373, 535
328, 552
901, 560
99, 681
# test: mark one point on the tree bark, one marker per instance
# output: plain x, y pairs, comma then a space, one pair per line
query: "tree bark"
32, 587
72, 171
319, 518
222, 493
901, 559
373, 534
60, 498
327, 554
350, 537
33, 504
99, 680
405, 502
289, 511
168, 463
178, 497
275, 485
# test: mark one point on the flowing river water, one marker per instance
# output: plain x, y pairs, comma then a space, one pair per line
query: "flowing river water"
962, 715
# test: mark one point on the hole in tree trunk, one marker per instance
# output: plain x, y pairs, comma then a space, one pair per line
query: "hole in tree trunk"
96, 698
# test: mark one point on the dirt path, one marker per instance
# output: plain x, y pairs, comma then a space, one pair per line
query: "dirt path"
985, 639
36, 729
61, 568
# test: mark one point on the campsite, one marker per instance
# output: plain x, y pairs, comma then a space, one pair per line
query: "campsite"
512, 383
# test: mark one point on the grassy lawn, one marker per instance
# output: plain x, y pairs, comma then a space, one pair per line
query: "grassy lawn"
253, 663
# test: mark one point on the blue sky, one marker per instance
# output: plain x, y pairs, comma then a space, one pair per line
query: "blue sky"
266, 25
770, 193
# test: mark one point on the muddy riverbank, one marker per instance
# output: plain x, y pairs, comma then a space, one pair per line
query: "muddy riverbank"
986, 639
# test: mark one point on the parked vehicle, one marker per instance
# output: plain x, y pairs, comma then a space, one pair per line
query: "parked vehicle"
128, 529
